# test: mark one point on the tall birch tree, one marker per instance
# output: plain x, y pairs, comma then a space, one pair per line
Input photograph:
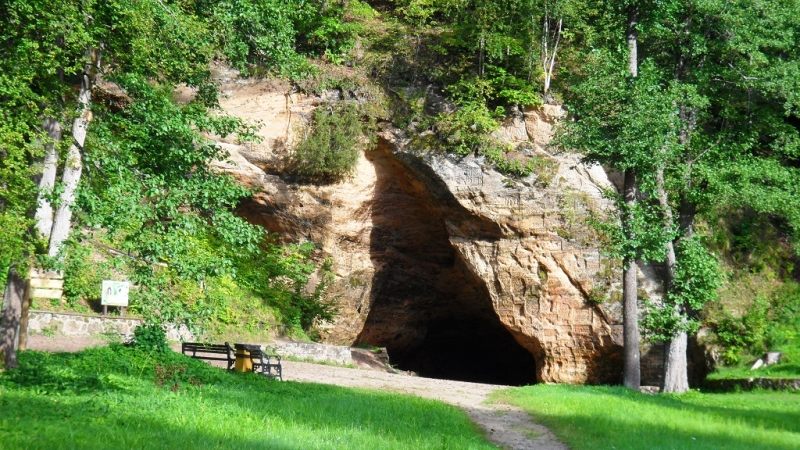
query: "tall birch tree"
44, 48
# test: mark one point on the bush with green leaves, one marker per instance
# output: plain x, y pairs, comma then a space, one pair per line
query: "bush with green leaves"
273, 35
255, 34
742, 334
85, 272
769, 322
467, 130
331, 143
150, 336
322, 29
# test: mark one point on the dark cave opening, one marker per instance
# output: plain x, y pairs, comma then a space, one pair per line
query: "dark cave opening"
469, 349
431, 312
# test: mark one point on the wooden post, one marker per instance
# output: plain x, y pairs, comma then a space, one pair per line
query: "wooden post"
23, 319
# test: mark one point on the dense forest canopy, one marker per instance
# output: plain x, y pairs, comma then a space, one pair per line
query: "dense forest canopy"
696, 101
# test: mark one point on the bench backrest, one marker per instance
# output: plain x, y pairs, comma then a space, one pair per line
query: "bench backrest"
205, 348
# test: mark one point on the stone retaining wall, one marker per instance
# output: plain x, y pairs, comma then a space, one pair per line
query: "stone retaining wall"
749, 384
72, 324
338, 354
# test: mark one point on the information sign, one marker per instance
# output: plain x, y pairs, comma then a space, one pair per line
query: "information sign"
115, 293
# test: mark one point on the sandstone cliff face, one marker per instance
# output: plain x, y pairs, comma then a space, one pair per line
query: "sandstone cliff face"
458, 271
527, 244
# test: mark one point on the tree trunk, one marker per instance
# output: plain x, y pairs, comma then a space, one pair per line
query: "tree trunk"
675, 363
548, 54
44, 210
9, 320
630, 327
676, 369
22, 337
74, 165
632, 37
630, 330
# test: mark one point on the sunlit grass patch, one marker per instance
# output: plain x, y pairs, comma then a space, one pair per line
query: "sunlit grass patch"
588, 417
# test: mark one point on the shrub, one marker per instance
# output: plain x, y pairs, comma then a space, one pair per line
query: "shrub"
151, 337
745, 334
258, 33
323, 30
331, 143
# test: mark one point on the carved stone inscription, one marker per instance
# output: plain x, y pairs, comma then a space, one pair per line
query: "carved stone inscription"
471, 176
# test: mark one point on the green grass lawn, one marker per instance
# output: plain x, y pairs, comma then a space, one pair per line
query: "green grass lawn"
116, 397
787, 370
594, 417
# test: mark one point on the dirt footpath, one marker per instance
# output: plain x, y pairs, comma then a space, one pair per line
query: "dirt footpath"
506, 426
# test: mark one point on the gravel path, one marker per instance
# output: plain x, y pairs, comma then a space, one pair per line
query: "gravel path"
506, 426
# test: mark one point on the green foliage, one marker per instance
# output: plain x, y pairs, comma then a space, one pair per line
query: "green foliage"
543, 167
331, 143
322, 29
591, 417
742, 333
753, 242
492, 39
642, 237
688, 128
150, 336
783, 331
82, 275
152, 188
262, 289
169, 400
256, 34
626, 122
757, 309
697, 282
698, 275
35, 49
281, 279
147, 188
767, 322
468, 128
273, 35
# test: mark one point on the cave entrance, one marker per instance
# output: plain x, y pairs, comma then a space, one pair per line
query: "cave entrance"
433, 315
438, 321
469, 349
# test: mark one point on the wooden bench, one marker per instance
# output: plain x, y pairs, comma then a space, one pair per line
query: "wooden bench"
208, 351
264, 364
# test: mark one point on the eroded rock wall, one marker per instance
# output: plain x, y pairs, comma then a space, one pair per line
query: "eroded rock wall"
442, 258
529, 246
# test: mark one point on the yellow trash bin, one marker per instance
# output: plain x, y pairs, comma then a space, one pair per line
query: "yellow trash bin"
243, 362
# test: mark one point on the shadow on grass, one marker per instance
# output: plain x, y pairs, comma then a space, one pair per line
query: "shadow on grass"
53, 423
117, 397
